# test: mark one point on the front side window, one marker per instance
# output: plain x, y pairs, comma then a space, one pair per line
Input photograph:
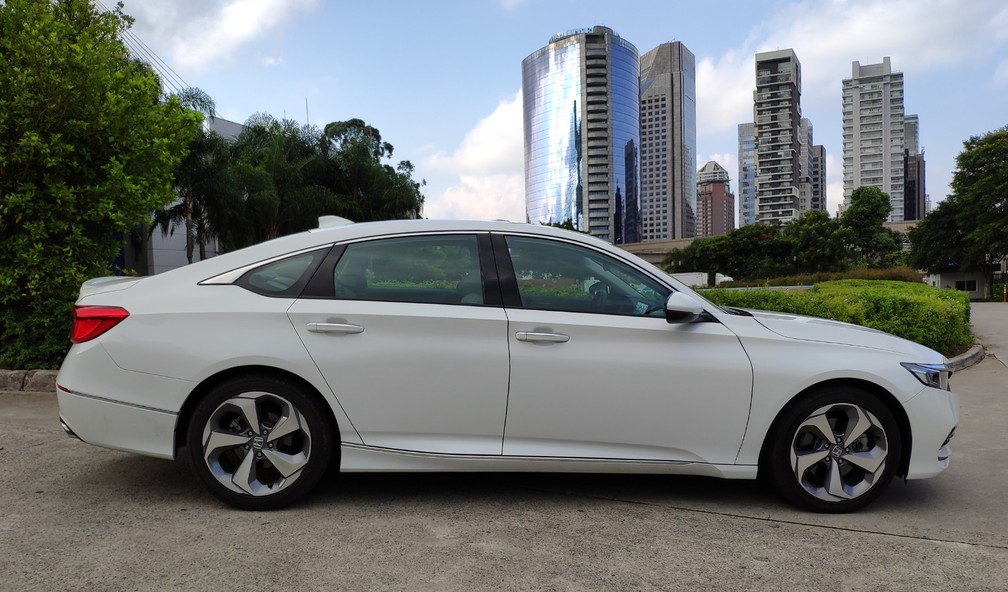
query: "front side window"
554, 275
423, 269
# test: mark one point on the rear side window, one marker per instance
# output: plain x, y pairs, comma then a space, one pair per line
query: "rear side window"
442, 269
284, 277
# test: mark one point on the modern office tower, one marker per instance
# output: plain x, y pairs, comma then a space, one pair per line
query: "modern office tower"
818, 200
777, 114
873, 132
747, 173
581, 100
715, 201
668, 142
914, 194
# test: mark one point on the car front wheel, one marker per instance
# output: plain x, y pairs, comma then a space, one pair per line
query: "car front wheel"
835, 451
260, 443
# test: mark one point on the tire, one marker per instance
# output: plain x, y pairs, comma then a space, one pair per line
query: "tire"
835, 450
260, 442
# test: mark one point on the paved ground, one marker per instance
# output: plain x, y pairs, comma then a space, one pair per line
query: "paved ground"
77, 517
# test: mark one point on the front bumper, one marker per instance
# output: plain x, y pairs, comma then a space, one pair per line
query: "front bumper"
934, 415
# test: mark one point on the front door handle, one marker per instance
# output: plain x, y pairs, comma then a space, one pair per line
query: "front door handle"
345, 328
542, 337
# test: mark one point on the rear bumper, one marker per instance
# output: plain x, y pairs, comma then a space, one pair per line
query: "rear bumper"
117, 425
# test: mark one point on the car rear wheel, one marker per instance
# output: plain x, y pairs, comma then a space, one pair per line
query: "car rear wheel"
835, 451
260, 443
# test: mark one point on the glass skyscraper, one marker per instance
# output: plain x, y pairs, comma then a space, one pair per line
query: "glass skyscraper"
668, 142
582, 134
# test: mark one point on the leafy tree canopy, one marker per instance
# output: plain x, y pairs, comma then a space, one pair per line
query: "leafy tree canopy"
969, 230
87, 149
871, 243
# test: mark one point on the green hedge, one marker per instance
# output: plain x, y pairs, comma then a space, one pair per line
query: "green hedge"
936, 318
901, 274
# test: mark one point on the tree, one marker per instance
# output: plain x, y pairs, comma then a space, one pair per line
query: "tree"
873, 244
969, 230
87, 148
817, 243
203, 179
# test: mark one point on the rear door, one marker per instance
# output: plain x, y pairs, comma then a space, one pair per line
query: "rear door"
411, 337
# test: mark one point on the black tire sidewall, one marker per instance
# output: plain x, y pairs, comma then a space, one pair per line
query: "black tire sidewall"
779, 460
322, 440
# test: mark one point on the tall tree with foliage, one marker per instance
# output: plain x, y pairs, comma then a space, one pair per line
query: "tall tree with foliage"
969, 230
204, 182
87, 149
873, 244
817, 243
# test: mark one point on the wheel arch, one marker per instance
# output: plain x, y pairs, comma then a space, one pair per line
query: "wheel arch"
186, 412
883, 395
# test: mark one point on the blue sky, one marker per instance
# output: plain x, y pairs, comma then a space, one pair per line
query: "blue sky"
441, 79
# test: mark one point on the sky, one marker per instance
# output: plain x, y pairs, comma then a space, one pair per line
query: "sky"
441, 79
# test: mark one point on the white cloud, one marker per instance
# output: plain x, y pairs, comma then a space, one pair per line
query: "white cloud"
834, 183
1001, 74
272, 61
198, 33
918, 35
486, 168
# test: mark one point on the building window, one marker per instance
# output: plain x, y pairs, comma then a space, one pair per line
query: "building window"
966, 285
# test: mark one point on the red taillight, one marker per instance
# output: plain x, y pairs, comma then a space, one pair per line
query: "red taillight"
91, 321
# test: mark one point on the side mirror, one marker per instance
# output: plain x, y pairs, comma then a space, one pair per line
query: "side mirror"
680, 308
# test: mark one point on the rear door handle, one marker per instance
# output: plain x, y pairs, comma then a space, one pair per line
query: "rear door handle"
346, 328
542, 337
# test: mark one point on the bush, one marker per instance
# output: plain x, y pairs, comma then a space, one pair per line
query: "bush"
899, 274
936, 318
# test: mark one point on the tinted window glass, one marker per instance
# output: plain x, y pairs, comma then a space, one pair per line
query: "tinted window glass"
553, 275
427, 269
285, 277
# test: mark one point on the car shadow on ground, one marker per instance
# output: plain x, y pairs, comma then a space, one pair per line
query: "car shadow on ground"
175, 481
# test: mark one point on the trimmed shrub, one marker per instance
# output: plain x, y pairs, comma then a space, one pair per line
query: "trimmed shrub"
936, 318
899, 274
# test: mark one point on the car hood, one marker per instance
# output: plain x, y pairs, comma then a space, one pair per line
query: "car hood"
827, 331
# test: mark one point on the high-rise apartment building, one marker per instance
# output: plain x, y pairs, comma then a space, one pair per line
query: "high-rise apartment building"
874, 127
715, 201
582, 138
668, 142
777, 118
747, 173
818, 201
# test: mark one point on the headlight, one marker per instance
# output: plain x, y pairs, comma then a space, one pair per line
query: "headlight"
933, 375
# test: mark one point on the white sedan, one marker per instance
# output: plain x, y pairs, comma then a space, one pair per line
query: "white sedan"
487, 346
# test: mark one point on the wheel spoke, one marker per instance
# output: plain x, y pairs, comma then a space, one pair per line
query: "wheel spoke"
220, 440
870, 460
286, 464
249, 411
819, 423
834, 482
859, 427
287, 425
803, 461
243, 476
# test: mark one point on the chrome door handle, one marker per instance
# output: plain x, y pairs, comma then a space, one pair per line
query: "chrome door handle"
542, 337
347, 328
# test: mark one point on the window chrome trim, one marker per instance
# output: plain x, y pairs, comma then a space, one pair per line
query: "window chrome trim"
229, 277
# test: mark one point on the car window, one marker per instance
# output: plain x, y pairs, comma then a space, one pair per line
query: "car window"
554, 275
441, 269
285, 277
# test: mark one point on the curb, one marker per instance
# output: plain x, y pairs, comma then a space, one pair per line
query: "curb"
28, 381
972, 356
